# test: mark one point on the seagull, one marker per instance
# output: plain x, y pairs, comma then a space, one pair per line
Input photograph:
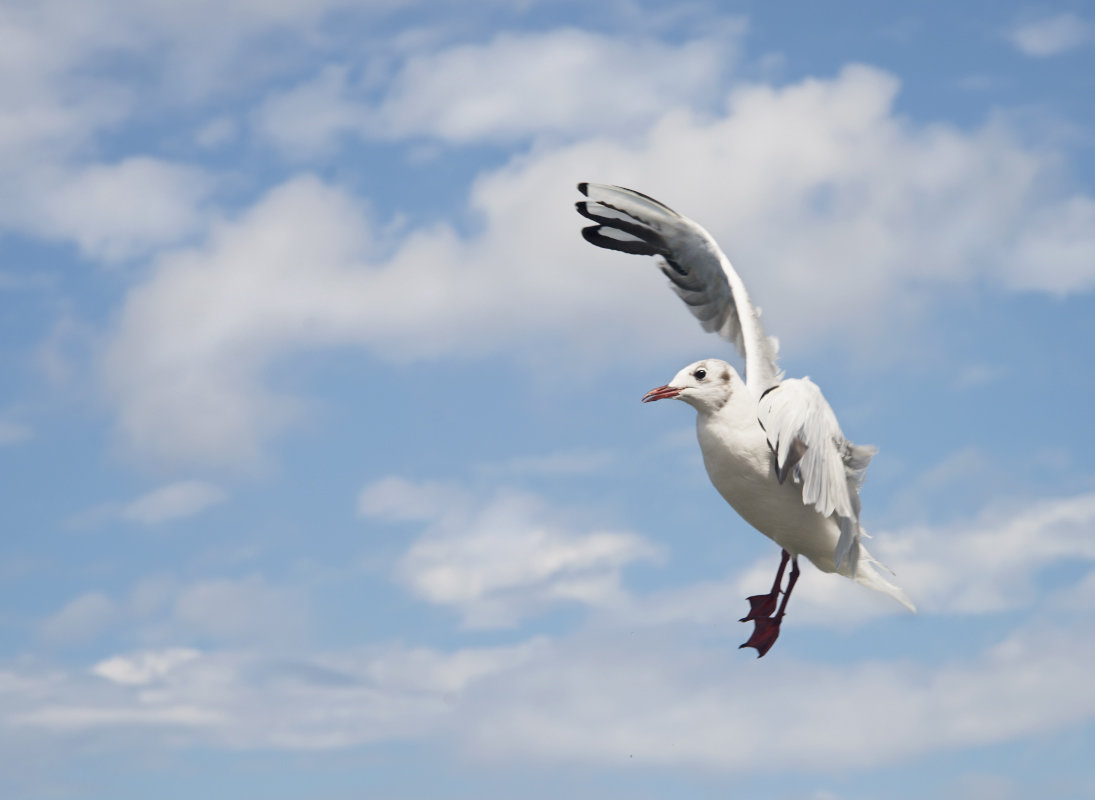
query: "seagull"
755, 432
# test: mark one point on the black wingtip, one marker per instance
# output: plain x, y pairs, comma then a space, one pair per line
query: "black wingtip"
620, 222
593, 235
583, 187
583, 209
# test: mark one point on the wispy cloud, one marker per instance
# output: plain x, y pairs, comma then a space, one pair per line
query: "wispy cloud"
143, 668
235, 699
168, 503
1052, 35
172, 502
466, 93
396, 498
248, 609
619, 704
599, 699
225, 611
80, 620
973, 376
14, 432
115, 212
499, 561
991, 563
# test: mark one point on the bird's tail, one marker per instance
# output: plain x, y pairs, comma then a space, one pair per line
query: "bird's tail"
869, 574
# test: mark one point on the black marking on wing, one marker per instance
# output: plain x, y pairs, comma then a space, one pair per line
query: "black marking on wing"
644, 241
593, 235
681, 277
794, 455
583, 187
636, 229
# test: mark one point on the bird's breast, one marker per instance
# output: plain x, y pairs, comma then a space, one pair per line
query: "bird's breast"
740, 466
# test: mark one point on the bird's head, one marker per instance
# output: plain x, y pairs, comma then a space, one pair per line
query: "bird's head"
706, 385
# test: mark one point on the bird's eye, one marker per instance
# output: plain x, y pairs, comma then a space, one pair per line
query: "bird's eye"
700, 374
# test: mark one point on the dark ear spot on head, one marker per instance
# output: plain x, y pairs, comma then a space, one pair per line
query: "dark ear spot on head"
725, 375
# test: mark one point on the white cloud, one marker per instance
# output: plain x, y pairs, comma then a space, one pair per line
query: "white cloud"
521, 85
517, 85
975, 376
140, 669
186, 380
823, 196
655, 705
1058, 237
236, 699
635, 685
602, 698
62, 91
500, 561
991, 564
55, 46
167, 503
395, 498
1050, 36
119, 211
64, 350
81, 620
238, 610
173, 501
1077, 597
45, 107
217, 132
308, 120
980, 786
77, 718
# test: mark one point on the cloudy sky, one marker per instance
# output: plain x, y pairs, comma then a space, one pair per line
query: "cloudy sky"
322, 461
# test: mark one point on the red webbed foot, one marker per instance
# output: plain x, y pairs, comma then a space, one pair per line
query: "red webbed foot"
762, 609
765, 633
760, 606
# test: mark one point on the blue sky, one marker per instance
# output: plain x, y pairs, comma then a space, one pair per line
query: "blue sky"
323, 464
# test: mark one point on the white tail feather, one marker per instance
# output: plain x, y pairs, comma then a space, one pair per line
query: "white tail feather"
868, 575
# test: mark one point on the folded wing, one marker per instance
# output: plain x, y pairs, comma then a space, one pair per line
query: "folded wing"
809, 446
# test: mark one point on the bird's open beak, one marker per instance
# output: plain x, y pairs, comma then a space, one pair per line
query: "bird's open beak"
661, 393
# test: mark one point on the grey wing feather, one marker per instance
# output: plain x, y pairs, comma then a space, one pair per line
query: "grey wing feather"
808, 444
698, 271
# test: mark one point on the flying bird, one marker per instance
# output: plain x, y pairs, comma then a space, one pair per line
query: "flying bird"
772, 446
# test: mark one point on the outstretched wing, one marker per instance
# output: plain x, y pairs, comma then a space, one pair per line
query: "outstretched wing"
809, 446
699, 272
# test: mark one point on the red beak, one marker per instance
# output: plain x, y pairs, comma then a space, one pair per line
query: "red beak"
661, 393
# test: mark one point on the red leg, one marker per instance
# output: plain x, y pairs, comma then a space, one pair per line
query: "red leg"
766, 628
764, 605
